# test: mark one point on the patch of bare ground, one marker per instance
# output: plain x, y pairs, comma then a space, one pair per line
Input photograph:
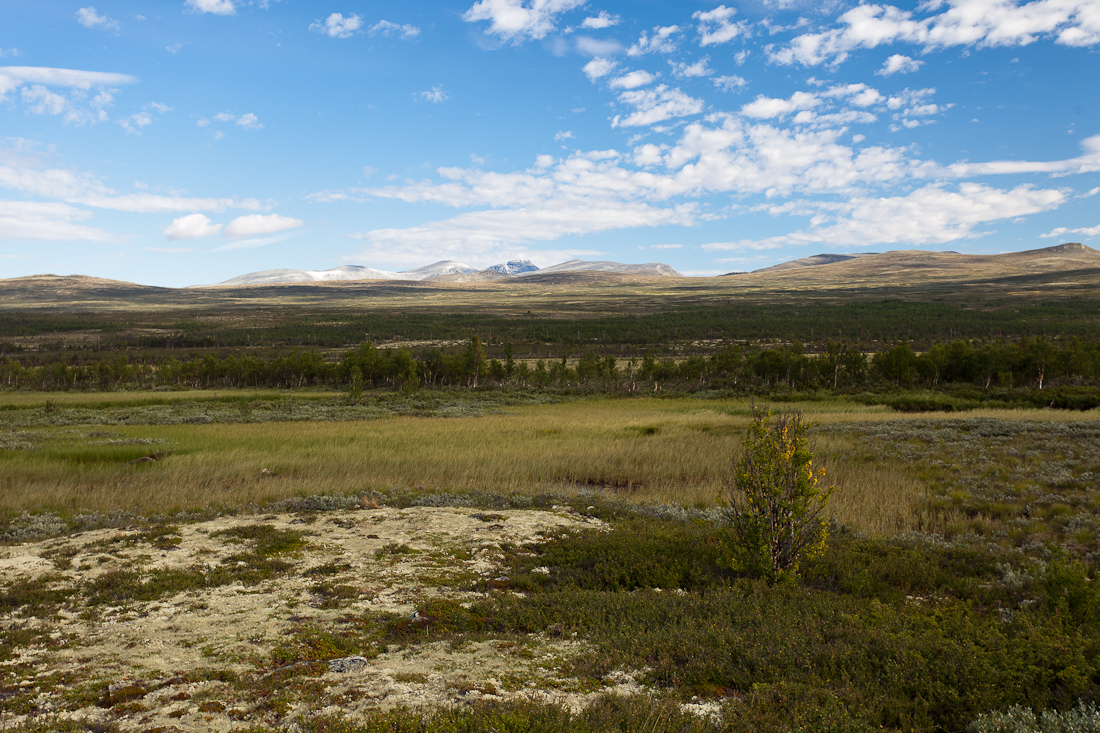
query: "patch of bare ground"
267, 619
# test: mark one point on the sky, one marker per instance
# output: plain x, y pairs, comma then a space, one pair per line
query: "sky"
190, 141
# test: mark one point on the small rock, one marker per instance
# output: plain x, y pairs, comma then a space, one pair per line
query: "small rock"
346, 664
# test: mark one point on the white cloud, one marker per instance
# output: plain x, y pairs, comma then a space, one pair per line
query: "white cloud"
337, 26
660, 42
715, 26
254, 242
252, 225
632, 80
656, 105
135, 122
597, 47
730, 83
52, 77
162, 108
563, 135
929, 215
191, 226
899, 64
31, 220
41, 101
516, 20
225, 117
980, 23
215, 7
249, 122
89, 18
386, 28
767, 107
602, 20
471, 235
1060, 231
174, 48
683, 70
599, 67
435, 96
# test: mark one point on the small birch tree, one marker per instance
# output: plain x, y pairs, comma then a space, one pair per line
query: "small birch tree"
774, 503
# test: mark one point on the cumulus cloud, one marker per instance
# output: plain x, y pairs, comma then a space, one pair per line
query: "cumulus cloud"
732, 83
516, 20
562, 135
435, 96
661, 41
899, 64
716, 26
603, 20
215, 7
337, 26
683, 70
32, 220
767, 107
191, 226
89, 18
980, 23
386, 28
599, 67
632, 80
656, 105
252, 225
249, 122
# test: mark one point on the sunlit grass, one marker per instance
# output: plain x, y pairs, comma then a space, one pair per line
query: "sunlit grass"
642, 450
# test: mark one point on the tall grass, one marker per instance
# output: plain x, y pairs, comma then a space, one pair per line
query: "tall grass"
653, 451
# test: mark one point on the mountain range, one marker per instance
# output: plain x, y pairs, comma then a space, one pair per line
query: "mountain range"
445, 271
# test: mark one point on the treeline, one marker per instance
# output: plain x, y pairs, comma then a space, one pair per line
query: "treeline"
870, 324
1026, 363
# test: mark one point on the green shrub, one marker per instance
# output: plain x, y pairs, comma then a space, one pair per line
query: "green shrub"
774, 502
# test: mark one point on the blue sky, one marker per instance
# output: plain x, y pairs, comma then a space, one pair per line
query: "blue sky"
185, 142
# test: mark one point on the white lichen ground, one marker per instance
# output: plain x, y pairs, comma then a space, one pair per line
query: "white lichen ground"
161, 658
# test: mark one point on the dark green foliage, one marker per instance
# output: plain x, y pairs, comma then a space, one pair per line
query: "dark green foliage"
880, 634
609, 713
264, 540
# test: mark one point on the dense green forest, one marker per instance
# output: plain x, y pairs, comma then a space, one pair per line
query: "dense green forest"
1035, 370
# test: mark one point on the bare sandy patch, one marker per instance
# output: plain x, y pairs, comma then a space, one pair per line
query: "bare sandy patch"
208, 658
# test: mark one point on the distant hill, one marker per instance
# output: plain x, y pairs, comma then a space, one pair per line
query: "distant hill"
917, 267
445, 271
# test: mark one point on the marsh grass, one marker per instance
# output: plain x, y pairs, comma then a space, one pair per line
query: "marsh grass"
639, 450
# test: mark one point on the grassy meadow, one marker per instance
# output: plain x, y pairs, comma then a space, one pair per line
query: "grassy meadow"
647, 451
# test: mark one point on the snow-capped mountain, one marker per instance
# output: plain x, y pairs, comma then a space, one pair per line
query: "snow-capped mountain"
445, 271
514, 267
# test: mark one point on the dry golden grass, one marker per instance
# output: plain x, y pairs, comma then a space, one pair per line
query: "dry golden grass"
646, 450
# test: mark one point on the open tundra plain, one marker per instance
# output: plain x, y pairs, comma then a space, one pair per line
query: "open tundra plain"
491, 552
